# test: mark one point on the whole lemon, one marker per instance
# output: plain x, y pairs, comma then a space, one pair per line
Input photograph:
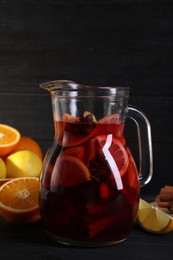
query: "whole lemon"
2, 169
23, 163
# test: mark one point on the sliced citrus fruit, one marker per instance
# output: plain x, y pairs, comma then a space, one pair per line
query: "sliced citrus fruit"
24, 163
2, 169
169, 228
111, 124
9, 138
72, 131
19, 200
114, 118
72, 134
116, 150
152, 219
69, 118
77, 151
27, 143
69, 171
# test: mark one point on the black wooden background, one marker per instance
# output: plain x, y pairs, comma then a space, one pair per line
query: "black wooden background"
107, 42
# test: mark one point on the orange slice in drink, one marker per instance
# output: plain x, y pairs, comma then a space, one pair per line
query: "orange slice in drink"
69, 171
117, 151
114, 118
19, 200
72, 131
9, 138
77, 151
111, 124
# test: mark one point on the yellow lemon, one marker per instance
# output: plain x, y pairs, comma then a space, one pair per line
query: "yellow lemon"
23, 163
152, 219
2, 169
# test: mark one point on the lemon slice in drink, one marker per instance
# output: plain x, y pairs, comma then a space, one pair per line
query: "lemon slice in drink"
152, 219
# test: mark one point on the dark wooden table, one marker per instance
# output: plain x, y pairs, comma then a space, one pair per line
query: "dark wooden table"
31, 242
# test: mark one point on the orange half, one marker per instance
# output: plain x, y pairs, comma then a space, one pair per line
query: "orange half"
9, 138
19, 200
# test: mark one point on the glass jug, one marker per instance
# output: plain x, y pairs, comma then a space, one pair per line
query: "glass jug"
90, 185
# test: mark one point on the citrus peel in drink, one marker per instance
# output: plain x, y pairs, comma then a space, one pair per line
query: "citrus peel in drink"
9, 138
152, 219
19, 200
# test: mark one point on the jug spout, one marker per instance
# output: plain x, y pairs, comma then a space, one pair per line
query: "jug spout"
73, 98
59, 85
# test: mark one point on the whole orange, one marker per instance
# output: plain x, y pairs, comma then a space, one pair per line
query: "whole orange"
28, 143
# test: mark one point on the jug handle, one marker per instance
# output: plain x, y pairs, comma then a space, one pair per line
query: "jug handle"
145, 144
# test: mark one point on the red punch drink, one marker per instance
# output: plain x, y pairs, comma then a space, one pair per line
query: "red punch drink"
89, 185
89, 189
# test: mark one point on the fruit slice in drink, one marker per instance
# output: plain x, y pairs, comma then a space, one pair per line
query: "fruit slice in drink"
74, 131
69, 171
115, 150
77, 151
110, 124
110, 119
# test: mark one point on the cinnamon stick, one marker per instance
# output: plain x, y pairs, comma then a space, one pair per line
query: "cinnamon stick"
165, 198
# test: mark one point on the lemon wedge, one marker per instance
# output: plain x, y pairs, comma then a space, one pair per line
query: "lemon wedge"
152, 219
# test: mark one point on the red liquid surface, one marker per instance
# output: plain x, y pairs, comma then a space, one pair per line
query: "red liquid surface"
79, 197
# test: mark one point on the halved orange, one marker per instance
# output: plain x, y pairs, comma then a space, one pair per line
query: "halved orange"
9, 138
69, 171
19, 200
